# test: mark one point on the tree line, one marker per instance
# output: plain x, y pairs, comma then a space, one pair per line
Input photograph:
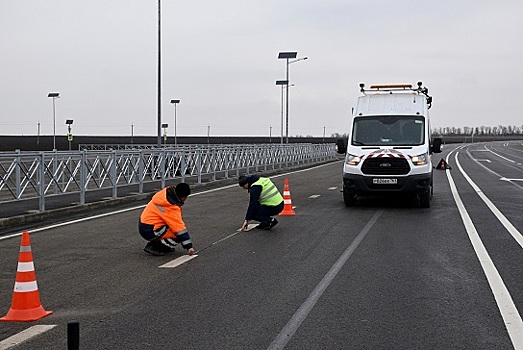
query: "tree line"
499, 130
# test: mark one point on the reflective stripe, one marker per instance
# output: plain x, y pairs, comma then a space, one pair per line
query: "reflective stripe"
188, 241
181, 232
25, 286
161, 209
287, 201
25, 248
25, 267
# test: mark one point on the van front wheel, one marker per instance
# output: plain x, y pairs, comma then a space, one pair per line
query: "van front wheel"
425, 198
349, 198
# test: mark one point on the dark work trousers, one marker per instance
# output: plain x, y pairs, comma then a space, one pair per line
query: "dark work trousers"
264, 213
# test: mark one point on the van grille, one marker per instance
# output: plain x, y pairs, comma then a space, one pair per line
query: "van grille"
385, 166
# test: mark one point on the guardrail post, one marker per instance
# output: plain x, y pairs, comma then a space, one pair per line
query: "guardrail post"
114, 179
141, 171
199, 164
183, 165
161, 164
83, 176
41, 201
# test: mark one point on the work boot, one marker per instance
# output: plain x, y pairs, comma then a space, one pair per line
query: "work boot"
263, 225
271, 224
150, 248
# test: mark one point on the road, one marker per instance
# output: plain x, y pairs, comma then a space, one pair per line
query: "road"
382, 275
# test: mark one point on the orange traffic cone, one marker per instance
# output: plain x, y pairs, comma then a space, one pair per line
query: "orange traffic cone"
287, 207
26, 302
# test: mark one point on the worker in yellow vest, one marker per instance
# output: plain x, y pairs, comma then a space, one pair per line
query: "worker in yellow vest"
264, 203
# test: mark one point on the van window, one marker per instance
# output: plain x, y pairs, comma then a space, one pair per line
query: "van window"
388, 131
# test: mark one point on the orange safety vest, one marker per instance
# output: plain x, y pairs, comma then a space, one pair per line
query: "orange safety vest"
159, 212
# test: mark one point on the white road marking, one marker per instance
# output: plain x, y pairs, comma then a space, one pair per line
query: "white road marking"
24, 335
508, 310
315, 196
179, 261
499, 215
301, 314
500, 156
333, 188
505, 179
483, 160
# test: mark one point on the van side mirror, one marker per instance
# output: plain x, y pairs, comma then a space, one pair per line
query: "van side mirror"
436, 145
341, 146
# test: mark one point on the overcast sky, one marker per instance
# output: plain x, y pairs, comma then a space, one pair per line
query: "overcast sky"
220, 59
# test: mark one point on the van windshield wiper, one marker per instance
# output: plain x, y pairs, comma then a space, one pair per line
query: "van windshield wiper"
358, 143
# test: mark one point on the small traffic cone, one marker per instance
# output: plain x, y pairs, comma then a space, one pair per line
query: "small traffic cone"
26, 301
287, 207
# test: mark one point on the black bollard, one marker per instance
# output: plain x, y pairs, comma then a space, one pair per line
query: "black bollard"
73, 336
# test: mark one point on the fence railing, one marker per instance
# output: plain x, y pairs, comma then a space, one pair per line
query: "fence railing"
30, 175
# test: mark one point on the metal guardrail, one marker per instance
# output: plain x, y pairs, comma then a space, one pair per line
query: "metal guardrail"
31, 175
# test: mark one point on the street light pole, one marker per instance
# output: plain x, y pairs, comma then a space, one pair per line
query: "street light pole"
283, 83
175, 102
287, 56
159, 141
54, 95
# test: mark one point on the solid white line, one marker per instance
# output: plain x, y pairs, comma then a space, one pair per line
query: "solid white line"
24, 335
509, 180
299, 316
506, 306
500, 156
142, 206
179, 261
499, 215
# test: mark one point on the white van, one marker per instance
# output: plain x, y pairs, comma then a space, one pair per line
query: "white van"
389, 148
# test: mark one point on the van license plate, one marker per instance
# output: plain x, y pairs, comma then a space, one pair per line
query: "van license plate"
385, 181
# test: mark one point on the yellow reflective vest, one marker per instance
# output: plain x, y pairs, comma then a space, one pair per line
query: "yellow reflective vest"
269, 196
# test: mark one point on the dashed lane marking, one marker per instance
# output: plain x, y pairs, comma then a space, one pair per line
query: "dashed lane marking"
179, 261
24, 335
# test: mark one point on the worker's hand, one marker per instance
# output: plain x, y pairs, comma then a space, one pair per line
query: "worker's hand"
190, 251
245, 225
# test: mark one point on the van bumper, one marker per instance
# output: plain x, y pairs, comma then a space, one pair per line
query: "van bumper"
413, 184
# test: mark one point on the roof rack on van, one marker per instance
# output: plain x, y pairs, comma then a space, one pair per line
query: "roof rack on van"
399, 87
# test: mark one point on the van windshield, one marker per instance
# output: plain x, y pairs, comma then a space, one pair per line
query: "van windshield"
388, 131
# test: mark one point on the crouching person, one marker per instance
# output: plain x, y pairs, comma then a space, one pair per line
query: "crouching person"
161, 222
265, 201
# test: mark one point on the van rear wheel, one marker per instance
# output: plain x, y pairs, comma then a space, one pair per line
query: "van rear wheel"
349, 198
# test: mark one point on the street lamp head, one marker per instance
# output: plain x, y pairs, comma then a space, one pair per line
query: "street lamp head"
54, 94
68, 121
287, 55
282, 82
165, 125
175, 101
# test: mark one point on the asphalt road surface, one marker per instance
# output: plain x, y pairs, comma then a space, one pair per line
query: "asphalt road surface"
385, 274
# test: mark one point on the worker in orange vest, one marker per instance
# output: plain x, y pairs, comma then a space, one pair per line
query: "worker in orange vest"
161, 222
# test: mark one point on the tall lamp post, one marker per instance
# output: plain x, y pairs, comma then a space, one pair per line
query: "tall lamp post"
287, 56
159, 142
54, 96
69, 122
282, 83
175, 102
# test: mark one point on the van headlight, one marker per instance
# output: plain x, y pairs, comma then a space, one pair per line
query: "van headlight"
421, 159
353, 160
